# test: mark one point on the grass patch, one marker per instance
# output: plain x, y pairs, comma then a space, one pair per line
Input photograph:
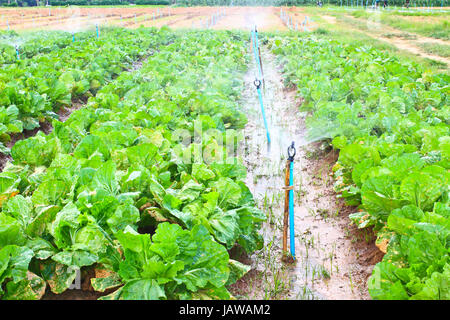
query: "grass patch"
404, 35
441, 50
436, 64
321, 31
435, 27
344, 31
343, 34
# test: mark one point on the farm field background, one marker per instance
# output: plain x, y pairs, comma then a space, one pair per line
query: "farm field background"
135, 163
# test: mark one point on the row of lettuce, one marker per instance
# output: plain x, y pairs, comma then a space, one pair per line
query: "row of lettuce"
389, 119
30, 44
33, 90
112, 191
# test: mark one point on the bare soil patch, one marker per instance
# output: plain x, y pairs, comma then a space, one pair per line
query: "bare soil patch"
244, 18
329, 19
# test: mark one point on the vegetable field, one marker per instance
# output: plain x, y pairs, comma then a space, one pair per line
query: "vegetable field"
133, 168
389, 120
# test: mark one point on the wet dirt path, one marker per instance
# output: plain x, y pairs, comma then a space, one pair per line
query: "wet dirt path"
333, 260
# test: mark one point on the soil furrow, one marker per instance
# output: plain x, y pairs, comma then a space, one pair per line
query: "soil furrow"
333, 260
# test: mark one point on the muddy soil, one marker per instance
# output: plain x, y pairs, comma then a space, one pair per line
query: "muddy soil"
334, 259
75, 18
300, 20
266, 18
329, 19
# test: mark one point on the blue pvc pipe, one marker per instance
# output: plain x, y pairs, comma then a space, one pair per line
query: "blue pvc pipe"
255, 50
254, 46
291, 209
97, 31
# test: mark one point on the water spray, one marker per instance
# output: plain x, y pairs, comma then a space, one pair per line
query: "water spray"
256, 51
257, 84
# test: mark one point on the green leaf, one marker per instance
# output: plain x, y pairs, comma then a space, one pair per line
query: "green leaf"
436, 287
58, 276
379, 198
21, 209
14, 261
126, 214
105, 178
421, 189
31, 288
50, 192
237, 271
42, 249
229, 192
384, 284
92, 147
143, 154
64, 226
11, 231
201, 172
77, 258
42, 220
105, 283
224, 226
145, 289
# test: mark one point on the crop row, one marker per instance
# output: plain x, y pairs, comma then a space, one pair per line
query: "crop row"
390, 120
110, 190
33, 90
31, 44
